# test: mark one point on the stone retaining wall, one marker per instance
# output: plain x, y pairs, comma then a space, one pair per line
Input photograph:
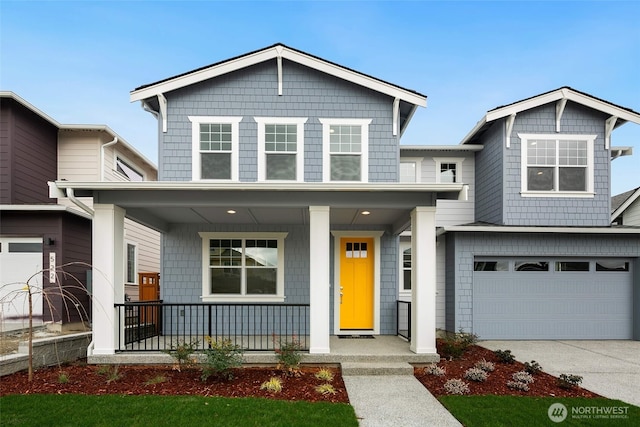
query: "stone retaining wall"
47, 352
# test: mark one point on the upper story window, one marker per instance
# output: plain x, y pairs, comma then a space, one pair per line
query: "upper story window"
215, 148
448, 169
557, 165
410, 169
280, 149
124, 168
243, 266
345, 149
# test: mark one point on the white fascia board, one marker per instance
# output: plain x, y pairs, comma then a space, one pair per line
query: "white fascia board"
441, 147
42, 208
260, 186
567, 230
272, 53
473, 131
623, 207
15, 97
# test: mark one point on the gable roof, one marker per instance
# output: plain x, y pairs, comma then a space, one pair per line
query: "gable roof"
275, 51
620, 202
622, 114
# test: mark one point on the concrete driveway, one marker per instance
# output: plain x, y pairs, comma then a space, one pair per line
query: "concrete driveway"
609, 368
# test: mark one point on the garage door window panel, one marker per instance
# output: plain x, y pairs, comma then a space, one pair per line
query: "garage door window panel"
534, 266
612, 265
491, 266
572, 266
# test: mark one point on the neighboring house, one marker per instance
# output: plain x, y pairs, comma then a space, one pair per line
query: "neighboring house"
288, 206
37, 233
625, 208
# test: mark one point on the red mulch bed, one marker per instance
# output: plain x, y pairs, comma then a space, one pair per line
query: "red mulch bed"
496, 383
85, 379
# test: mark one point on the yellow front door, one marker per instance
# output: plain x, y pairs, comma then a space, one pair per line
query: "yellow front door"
356, 283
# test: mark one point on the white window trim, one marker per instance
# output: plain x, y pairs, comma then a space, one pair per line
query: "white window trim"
135, 262
118, 155
364, 147
456, 160
207, 297
404, 294
418, 163
195, 145
588, 193
262, 163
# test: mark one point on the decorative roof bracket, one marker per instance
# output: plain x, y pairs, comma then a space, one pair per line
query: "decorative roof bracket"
396, 115
559, 110
508, 127
279, 50
162, 101
608, 128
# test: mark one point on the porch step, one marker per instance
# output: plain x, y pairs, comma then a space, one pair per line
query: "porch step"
376, 368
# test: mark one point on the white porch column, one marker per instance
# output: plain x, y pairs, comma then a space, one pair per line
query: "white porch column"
423, 280
319, 239
108, 275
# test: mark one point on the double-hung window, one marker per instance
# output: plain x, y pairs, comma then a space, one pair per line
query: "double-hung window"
215, 148
557, 165
345, 149
448, 169
243, 267
410, 169
280, 148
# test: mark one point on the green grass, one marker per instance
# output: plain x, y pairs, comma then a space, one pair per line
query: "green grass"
116, 410
473, 411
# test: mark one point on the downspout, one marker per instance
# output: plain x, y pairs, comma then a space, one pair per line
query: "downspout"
102, 147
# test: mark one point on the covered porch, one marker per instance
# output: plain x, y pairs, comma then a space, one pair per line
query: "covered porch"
328, 212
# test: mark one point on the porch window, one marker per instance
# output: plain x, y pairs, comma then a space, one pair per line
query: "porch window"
345, 149
215, 153
131, 263
405, 269
410, 169
448, 169
280, 148
237, 267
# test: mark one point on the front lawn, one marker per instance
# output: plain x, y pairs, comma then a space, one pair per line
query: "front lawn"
492, 410
145, 411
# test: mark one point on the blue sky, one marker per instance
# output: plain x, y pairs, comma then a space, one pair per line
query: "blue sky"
78, 61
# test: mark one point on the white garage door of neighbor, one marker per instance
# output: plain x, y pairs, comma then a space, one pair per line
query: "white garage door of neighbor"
20, 259
553, 304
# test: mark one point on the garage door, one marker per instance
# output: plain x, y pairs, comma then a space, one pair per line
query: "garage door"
552, 298
20, 259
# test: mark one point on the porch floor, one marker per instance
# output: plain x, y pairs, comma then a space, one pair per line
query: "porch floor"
379, 349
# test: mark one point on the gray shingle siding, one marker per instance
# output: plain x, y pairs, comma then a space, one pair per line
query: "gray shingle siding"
489, 176
470, 245
253, 92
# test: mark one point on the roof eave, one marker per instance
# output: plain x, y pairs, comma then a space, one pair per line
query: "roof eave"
623, 207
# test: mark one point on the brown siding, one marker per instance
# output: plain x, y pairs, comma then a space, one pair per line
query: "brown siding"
5, 152
31, 144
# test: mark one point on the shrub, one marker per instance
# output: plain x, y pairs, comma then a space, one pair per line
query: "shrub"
434, 369
505, 356
475, 374
274, 385
289, 355
155, 380
63, 378
183, 353
325, 389
324, 375
518, 385
456, 386
568, 381
523, 377
455, 344
222, 357
533, 367
112, 373
485, 365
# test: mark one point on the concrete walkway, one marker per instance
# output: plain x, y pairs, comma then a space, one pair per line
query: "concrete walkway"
395, 400
610, 368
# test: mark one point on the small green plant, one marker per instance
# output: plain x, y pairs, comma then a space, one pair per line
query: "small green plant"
475, 374
434, 369
505, 356
324, 374
182, 352
289, 355
63, 378
222, 357
325, 389
155, 380
568, 381
453, 345
456, 386
103, 369
533, 367
111, 372
274, 385
485, 365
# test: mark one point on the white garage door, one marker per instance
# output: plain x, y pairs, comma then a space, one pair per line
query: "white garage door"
552, 298
20, 259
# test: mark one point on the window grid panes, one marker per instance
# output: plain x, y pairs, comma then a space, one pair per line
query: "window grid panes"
215, 136
131, 263
557, 165
280, 138
448, 172
281, 144
345, 139
406, 269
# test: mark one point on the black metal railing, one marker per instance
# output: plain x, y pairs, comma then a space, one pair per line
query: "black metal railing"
403, 308
157, 326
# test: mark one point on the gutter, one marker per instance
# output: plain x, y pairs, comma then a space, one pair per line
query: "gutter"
78, 203
102, 147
